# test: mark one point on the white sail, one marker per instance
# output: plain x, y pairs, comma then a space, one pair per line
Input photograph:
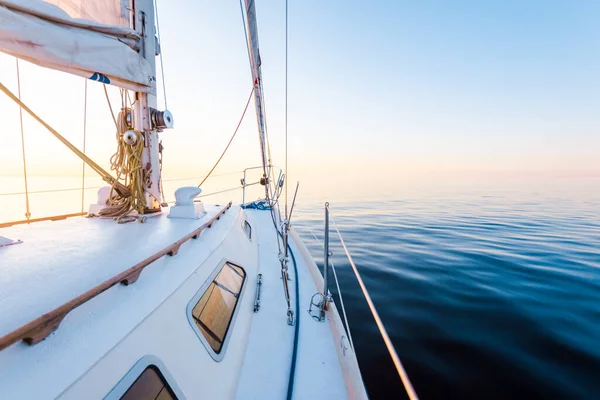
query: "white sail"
43, 33
108, 12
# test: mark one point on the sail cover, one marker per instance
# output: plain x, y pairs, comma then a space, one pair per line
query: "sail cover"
107, 12
89, 38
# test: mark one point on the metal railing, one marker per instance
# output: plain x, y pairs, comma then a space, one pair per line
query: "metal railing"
245, 185
410, 391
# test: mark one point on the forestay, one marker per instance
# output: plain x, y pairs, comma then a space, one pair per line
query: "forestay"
89, 38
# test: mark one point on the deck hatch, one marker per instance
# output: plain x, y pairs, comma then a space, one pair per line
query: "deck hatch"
150, 385
148, 379
213, 313
247, 229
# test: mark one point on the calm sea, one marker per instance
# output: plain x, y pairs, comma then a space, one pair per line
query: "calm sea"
488, 289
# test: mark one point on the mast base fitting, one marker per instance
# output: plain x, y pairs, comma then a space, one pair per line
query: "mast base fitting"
161, 119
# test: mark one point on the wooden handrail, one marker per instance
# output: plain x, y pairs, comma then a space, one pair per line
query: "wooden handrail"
38, 329
51, 218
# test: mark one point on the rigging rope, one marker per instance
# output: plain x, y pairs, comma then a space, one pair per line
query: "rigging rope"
410, 391
162, 70
27, 210
119, 187
84, 140
112, 113
286, 108
230, 140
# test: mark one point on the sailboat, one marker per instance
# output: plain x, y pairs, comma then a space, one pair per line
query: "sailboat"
139, 299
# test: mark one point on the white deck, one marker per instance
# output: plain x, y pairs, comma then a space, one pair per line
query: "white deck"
60, 260
269, 353
50, 249
99, 342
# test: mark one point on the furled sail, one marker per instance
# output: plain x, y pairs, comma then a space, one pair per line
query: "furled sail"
89, 38
254, 54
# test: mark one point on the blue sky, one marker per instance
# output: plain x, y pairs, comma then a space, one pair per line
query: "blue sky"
416, 85
404, 86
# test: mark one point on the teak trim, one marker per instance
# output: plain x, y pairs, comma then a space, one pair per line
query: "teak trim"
38, 329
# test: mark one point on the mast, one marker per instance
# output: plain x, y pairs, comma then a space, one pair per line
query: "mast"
146, 118
108, 44
255, 62
144, 26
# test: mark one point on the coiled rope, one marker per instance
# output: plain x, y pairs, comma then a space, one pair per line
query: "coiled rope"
127, 165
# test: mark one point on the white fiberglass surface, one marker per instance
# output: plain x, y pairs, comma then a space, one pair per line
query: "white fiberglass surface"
59, 261
266, 369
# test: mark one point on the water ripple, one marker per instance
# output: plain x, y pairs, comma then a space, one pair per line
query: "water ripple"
484, 297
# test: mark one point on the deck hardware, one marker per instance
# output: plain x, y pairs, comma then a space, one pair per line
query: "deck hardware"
244, 182
129, 137
186, 206
284, 259
4, 241
258, 286
318, 304
131, 278
174, 250
161, 119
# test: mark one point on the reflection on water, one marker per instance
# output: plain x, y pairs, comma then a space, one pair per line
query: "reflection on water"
489, 289
487, 292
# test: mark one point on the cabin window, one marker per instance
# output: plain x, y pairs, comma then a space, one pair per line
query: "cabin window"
150, 385
214, 311
248, 229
